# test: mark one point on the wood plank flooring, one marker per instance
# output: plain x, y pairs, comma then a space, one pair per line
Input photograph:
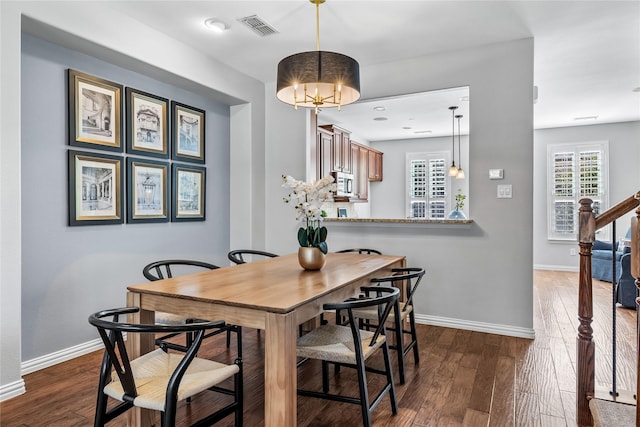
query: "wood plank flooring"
464, 378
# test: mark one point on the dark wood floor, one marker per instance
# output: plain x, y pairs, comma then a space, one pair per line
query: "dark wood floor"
464, 378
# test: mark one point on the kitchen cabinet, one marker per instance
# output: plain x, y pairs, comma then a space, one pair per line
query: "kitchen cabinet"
324, 158
337, 153
375, 165
340, 149
360, 171
363, 174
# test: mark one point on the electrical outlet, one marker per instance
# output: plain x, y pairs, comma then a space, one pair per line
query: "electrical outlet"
572, 251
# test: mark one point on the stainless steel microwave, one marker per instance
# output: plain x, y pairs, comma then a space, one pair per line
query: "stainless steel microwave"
344, 184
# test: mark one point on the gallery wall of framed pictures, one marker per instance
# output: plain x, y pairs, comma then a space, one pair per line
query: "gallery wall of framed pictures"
162, 141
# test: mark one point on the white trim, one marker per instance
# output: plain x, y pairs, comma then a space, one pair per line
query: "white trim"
491, 328
60, 356
7, 391
571, 268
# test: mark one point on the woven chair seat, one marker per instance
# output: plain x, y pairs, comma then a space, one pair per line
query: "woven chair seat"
334, 343
153, 370
169, 319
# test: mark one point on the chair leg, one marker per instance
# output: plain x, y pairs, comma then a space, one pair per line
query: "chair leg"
399, 341
364, 393
101, 409
228, 338
392, 389
239, 341
238, 391
325, 376
414, 338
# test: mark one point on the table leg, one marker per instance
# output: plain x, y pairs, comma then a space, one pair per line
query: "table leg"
280, 380
137, 345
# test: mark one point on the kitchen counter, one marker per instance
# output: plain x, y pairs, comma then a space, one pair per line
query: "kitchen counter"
402, 222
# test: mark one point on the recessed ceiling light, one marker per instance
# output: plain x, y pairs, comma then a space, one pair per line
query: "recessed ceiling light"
216, 25
586, 118
380, 119
636, 89
380, 108
421, 131
406, 127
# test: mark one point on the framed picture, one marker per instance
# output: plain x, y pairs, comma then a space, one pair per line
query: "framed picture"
147, 124
147, 191
188, 125
342, 212
95, 188
94, 112
188, 192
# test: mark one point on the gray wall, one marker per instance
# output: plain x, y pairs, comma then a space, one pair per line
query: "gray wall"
478, 276
624, 181
69, 272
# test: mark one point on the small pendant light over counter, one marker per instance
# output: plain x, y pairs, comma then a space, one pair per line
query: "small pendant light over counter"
318, 78
453, 170
460, 173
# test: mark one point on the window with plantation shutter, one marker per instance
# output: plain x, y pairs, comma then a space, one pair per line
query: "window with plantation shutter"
575, 171
427, 185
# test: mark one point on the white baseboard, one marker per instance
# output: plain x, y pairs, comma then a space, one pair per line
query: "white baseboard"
60, 356
7, 391
571, 268
490, 328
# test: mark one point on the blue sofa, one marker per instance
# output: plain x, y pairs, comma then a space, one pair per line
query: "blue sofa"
601, 256
627, 291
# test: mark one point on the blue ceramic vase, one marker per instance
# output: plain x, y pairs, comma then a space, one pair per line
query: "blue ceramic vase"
456, 214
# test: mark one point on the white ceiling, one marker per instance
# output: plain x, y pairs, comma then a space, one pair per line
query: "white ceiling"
587, 53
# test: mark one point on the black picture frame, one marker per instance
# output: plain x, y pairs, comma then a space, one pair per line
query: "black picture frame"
95, 113
188, 192
147, 190
95, 188
147, 122
187, 133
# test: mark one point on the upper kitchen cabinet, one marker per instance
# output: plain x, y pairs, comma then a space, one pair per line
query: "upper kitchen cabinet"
324, 152
340, 150
375, 165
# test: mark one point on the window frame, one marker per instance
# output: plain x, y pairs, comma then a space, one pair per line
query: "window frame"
571, 201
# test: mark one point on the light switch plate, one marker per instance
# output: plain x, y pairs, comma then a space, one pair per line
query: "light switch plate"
496, 173
505, 191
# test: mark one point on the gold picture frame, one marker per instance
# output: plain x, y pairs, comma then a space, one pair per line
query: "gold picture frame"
95, 114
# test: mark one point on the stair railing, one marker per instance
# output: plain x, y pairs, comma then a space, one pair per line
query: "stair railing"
588, 224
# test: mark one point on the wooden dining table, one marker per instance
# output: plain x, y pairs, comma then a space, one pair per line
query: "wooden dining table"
274, 294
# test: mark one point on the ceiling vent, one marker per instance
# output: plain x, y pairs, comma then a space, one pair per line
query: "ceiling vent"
258, 26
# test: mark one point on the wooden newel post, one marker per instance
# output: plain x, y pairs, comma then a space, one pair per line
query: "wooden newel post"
585, 372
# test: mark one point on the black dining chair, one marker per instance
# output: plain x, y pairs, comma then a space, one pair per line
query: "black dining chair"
159, 379
166, 269
350, 346
237, 256
408, 280
361, 251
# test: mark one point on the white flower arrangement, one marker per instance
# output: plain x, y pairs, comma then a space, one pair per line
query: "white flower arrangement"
307, 199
